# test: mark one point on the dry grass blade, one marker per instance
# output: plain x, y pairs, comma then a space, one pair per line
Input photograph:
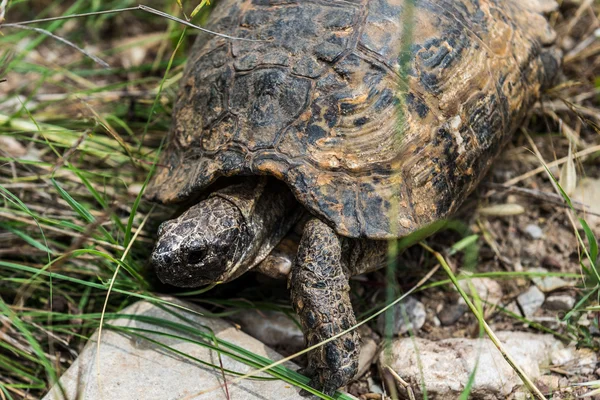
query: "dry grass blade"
548, 197
139, 7
405, 385
96, 59
568, 212
566, 130
502, 210
3, 4
568, 174
583, 7
560, 161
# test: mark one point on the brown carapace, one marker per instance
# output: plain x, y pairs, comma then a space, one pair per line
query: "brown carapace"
379, 115
322, 103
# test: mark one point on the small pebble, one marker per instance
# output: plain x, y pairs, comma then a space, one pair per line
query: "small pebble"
450, 314
415, 311
274, 328
548, 283
487, 289
548, 383
534, 231
513, 308
559, 302
531, 300
368, 351
374, 387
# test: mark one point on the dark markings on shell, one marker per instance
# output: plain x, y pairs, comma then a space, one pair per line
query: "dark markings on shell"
321, 105
416, 105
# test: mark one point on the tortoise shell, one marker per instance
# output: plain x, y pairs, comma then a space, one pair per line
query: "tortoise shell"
380, 115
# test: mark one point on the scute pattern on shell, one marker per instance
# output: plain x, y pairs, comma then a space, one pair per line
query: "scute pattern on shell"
323, 105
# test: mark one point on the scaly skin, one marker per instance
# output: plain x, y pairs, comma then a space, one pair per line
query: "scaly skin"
321, 297
227, 234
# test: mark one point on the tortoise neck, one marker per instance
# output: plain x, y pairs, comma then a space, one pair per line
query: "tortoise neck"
269, 210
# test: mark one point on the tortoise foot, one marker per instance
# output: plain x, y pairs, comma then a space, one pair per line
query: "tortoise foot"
328, 380
320, 296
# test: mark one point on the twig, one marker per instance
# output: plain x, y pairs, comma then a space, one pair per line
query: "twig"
136, 8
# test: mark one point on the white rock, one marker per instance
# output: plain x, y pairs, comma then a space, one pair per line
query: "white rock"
133, 368
513, 308
374, 387
273, 328
534, 231
579, 362
548, 283
368, 350
445, 366
488, 289
414, 310
531, 301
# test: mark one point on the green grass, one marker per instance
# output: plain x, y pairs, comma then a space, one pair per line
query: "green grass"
75, 232
77, 201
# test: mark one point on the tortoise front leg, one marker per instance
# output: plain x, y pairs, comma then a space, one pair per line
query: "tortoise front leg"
320, 296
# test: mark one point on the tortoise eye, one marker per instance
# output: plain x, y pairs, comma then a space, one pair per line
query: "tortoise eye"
196, 255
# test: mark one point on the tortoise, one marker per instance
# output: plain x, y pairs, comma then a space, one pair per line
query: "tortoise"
375, 118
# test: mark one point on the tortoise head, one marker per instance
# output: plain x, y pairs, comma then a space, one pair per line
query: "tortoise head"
206, 244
